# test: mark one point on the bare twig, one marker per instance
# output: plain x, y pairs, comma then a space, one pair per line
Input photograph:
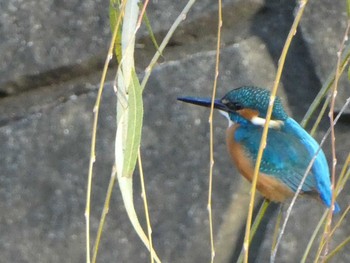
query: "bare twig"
145, 204
313, 237
104, 213
291, 34
94, 132
211, 143
319, 117
336, 250
304, 177
165, 41
332, 124
331, 118
326, 87
257, 221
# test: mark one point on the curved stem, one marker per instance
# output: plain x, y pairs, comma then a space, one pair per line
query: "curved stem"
282, 59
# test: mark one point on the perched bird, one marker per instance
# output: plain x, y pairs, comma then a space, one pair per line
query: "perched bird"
288, 151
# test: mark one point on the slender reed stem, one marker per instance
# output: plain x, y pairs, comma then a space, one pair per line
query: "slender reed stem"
326, 87
282, 59
256, 224
337, 249
211, 143
94, 133
145, 204
165, 41
104, 213
277, 227
326, 235
313, 237
319, 117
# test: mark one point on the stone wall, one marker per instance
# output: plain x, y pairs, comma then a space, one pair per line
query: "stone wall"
51, 58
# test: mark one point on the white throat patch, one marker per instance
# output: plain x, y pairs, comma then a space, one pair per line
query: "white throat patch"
261, 122
258, 121
227, 116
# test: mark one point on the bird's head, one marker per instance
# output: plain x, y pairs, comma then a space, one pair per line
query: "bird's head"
245, 105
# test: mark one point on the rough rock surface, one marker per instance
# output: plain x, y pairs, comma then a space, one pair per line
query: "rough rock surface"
50, 64
324, 34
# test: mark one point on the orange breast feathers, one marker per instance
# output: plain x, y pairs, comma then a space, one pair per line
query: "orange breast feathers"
267, 185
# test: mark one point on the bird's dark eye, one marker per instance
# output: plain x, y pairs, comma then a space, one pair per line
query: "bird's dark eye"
234, 106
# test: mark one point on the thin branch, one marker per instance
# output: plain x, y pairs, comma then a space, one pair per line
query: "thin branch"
344, 175
332, 124
277, 227
282, 59
313, 237
144, 6
336, 250
104, 213
326, 87
305, 175
319, 117
94, 132
331, 118
145, 204
211, 144
165, 41
257, 221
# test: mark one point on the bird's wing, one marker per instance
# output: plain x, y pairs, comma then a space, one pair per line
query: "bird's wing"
285, 157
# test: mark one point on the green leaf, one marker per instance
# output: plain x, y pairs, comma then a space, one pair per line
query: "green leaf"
348, 8
114, 13
134, 122
149, 29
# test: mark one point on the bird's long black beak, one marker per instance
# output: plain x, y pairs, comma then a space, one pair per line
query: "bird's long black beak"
206, 102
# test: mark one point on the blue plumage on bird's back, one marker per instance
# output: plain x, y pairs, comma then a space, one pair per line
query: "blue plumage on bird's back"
320, 165
284, 158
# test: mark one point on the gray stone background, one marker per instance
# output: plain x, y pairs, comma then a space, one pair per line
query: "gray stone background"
51, 58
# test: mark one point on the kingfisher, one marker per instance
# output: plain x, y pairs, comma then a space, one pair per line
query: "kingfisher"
288, 152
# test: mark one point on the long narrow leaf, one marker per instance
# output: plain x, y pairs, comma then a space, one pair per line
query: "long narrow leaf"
133, 135
129, 119
125, 184
114, 12
149, 29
